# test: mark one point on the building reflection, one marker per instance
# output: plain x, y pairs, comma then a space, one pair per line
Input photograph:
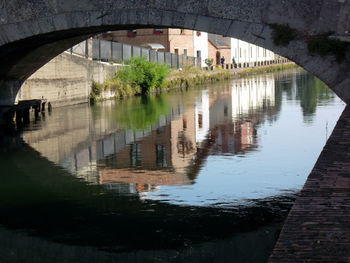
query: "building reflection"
218, 121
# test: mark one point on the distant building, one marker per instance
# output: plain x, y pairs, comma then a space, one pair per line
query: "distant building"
218, 47
244, 52
177, 41
195, 44
240, 51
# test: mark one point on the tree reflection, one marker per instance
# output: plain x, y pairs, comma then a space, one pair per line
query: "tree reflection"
312, 91
141, 112
308, 89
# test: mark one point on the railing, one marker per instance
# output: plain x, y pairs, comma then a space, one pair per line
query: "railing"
109, 51
280, 60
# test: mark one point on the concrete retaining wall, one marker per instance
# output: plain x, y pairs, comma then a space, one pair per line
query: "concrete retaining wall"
65, 80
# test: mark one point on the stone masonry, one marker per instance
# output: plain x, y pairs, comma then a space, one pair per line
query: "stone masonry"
33, 32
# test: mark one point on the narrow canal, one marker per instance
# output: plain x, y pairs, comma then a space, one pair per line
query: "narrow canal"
207, 175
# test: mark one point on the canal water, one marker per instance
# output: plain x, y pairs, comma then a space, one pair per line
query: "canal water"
204, 175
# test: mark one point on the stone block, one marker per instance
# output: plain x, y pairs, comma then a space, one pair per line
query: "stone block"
95, 18
3, 13
123, 17
80, 20
213, 25
131, 17
167, 18
111, 18
190, 21
155, 17
178, 20
141, 17
60, 21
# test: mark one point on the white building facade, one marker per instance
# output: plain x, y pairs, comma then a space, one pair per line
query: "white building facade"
202, 113
200, 46
244, 52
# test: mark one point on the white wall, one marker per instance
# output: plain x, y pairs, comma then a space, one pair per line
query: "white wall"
201, 43
244, 52
202, 108
251, 94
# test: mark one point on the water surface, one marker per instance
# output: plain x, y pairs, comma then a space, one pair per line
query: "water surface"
205, 175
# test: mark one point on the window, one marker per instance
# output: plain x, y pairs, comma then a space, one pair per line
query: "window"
131, 33
184, 124
135, 154
182, 31
176, 51
200, 121
185, 51
161, 156
105, 35
251, 52
240, 52
199, 54
158, 31
218, 56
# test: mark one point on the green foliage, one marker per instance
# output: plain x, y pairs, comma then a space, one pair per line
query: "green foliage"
324, 46
311, 92
190, 80
114, 85
209, 61
141, 112
96, 91
267, 69
282, 34
187, 71
143, 75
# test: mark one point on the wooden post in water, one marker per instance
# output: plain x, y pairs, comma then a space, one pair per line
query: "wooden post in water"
26, 115
9, 116
19, 115
43, 106
36, 110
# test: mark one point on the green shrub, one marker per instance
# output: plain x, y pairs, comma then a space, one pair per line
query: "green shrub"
139, 73
282, 34
96, 91
209, 61
323, 45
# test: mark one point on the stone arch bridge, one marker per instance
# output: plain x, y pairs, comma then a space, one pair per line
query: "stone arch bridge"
34, 32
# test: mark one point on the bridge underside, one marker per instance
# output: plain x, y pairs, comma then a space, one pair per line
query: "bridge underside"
34, 33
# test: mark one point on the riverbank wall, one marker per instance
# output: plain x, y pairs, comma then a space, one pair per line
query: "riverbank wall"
66, 80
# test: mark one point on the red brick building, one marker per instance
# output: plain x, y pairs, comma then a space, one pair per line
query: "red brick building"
178, 41
218, 47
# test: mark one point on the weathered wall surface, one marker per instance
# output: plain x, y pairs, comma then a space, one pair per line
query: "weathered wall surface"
65, 80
